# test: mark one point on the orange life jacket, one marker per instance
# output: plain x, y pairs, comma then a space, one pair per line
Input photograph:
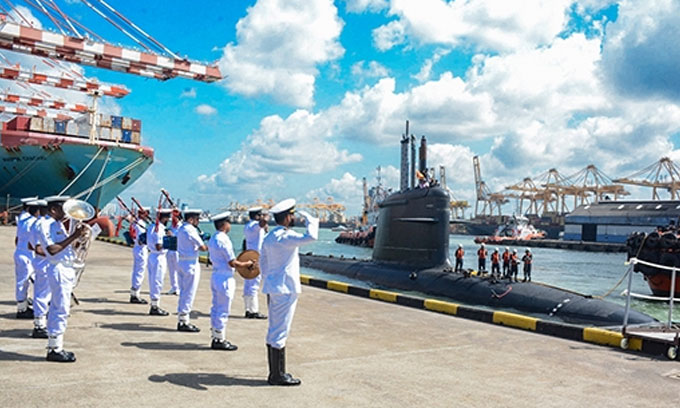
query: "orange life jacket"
495, 257
513, 259
459, 253
527, 259
481, 252
506, 257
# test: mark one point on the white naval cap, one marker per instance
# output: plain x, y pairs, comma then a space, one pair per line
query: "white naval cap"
254, 209
192, 211
37, 203
165, 211
57, 199
147, 209
26, 200
282, 206
220, 216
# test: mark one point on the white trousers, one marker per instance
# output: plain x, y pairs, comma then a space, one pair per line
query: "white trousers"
140, 255
251, 286
223, 287
281, 309
23, 269
173, 268
61, 279
157, 267
41, 287
189, 275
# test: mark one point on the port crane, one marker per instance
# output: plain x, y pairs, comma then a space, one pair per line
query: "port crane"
490, 202
661, 175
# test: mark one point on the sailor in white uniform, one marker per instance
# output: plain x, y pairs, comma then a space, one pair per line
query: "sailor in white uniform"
61, 276
172, 256
140, 255
23, 257
41, 286
253, 233
222, 282
189, 242
157, 261
280, 266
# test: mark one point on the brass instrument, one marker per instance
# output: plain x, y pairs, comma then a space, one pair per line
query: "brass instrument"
79, 211
245, 256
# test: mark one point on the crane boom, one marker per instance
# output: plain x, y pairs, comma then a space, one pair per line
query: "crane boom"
38, 113
29, 40
46, 103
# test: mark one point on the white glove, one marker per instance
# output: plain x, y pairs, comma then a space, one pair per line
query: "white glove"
305, 215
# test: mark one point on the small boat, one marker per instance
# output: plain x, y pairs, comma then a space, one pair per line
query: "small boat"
660, 248
516, 228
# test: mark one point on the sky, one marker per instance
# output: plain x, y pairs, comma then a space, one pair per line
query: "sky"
316, 93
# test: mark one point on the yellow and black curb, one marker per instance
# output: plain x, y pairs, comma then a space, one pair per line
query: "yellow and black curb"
591, 335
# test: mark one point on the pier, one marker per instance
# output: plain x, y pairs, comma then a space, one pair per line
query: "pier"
348, 351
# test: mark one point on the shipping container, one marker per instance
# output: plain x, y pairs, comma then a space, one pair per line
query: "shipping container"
60, 127
19, 123
136, 125
105, 133
116, 122
116, 134
48, 125
36, 124
127, 123
104, 120
127, 136
71, 128
136, 137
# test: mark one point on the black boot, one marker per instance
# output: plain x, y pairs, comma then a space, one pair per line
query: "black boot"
61, 357
255, 315
39, 333
26, 314
277, 368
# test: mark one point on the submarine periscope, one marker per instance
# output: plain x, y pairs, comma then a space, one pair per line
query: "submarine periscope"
411, 253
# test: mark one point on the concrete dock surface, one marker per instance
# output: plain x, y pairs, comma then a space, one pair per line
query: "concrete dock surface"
348, 351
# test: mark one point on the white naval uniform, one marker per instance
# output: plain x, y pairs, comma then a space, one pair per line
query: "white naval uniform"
172, 259
188, 244
41, 286
61, 276
280, 266
254, 235
222, 283
140, 256
23, 259
157, 261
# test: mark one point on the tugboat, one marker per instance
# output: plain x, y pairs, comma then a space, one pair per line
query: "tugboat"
516, 228
411, 252
661, 248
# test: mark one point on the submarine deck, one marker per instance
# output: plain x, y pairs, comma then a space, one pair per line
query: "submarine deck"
348, 351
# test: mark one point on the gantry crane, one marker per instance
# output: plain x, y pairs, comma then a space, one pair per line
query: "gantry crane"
663, 174
590, 181
490, 201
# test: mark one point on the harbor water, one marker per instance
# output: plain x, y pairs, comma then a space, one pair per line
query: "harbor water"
588, 273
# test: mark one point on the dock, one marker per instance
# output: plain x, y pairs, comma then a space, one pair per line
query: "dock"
562, 244
347, 350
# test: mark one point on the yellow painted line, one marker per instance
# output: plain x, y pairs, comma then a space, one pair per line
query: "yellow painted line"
383, 295
337, 286
304, 279
601, 336
441, 306
515, 320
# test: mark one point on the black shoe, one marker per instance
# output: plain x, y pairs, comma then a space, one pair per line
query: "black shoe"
61, 357
173, 292
138, 300
187, 327
39, 333
277, 368
255, 315
157, 311
26, 314
222, 345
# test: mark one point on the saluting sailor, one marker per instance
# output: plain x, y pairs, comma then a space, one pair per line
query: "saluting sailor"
140, 255
41, 286
60, 274
157, 261
189, 242
253, 233
23, 257
172, 256
280, 268
222, 283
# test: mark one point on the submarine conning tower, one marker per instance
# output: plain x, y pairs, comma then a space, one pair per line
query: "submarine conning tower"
413, 224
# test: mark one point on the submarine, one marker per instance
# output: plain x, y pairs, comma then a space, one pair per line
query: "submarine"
411, 253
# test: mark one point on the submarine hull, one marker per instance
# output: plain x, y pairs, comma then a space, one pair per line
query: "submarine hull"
526, 297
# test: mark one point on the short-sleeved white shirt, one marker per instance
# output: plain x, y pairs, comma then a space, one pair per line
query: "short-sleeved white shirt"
221, 253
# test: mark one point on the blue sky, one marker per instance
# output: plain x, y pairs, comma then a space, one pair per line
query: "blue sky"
317, 92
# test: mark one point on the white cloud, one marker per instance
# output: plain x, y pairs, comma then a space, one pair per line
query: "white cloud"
205, 109
280, 44
188, 93
497, 25
360, 6
426, 70
361, 70
347, 190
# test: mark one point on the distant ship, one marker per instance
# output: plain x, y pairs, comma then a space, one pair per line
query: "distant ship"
91, 161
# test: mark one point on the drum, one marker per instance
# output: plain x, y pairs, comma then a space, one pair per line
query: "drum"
245, 256
170, 243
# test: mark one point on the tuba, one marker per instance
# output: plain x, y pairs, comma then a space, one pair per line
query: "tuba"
79, 211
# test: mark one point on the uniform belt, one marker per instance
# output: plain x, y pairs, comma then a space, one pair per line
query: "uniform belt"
188, 258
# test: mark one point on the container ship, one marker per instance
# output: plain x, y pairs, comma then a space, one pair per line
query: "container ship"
93, 160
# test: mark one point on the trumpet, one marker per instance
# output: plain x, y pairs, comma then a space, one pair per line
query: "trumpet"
79, 211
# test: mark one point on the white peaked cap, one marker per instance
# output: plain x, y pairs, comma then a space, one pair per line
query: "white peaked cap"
190, 211
56, 198
254, 209
220, 216
283, 206
165, 211
25, 200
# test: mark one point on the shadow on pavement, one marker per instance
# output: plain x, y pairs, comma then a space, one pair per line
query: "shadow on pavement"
12, 356
103, 300
200, 381
136, 327
165, 345
111, 312
17, 333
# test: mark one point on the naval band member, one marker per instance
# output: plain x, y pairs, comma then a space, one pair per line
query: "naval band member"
280, 268
61, 276
253, 233
172, 256
222, 282
189, 242
157, 261
140, 255
41, 285
23, 257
